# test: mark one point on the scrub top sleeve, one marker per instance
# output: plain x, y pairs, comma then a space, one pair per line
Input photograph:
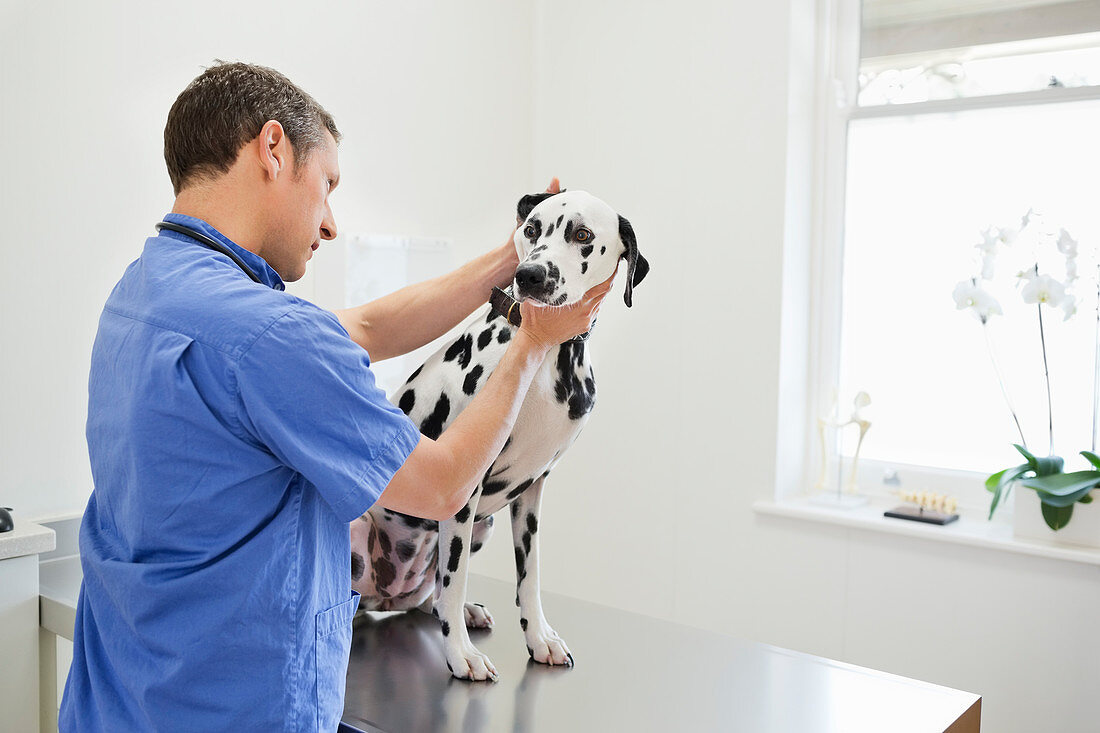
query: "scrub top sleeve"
306, 393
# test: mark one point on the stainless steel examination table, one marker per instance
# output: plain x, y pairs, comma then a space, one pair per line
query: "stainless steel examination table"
632, 673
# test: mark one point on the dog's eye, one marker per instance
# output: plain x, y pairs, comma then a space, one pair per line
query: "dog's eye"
529, 231
583, 235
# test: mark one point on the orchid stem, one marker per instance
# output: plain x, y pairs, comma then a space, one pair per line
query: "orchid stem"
1096, 365
1001, 382
1046, 371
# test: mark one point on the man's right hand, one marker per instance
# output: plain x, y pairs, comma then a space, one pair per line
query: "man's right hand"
550, 325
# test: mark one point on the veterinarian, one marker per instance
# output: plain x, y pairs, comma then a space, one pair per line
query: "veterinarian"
234, 431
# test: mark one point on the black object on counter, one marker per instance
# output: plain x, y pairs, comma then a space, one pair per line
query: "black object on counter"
6, 523
919, 514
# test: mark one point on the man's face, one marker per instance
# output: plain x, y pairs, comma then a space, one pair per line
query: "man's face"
301, 217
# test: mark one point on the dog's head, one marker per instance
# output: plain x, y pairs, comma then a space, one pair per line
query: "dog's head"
569, 242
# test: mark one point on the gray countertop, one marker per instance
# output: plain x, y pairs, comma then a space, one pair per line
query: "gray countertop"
632, 673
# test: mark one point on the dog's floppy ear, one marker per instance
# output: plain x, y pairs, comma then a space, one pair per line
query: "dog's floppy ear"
637, 266
529, 202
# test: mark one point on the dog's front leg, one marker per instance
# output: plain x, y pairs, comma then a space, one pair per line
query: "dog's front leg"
463, 658
543, 643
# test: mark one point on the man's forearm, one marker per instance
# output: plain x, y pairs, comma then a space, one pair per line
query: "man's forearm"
440, 475
477, 435
418, 314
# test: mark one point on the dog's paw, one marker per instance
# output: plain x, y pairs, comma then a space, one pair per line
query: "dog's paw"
546, 647
478, 617
468, 663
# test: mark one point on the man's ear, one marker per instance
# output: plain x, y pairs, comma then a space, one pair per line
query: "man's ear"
529, 202
637, 266
274, 151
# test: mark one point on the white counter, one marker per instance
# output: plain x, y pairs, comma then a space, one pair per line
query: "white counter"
26, 538
19, 550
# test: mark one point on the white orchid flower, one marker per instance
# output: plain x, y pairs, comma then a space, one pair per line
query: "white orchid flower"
1007, 235
1067, 245
968, 294
988, 262
1044, 289
1068, 306
990, 240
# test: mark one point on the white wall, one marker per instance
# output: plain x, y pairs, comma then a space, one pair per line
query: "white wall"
433, 98
681, 117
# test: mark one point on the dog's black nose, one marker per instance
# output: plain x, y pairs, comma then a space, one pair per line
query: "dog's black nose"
530, 277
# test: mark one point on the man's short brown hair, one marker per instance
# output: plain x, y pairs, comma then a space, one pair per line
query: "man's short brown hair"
224, 108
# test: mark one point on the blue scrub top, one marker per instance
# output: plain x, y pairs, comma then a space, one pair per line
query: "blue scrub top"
234, 431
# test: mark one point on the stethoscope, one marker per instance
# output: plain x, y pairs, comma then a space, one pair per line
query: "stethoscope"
211, 243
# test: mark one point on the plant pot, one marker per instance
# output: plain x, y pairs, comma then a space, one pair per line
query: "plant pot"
1083, 529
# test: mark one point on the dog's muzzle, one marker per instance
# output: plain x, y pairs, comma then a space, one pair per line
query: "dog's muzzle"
532, 281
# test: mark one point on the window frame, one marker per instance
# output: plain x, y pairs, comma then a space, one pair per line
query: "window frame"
839, 58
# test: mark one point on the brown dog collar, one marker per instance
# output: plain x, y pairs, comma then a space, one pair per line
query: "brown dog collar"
505, 305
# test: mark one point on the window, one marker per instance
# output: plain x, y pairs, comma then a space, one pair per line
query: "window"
966, 115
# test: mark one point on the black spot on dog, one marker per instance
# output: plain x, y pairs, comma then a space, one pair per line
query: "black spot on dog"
409, 575
405, 550
461, 349
527, 542
474, 548
586, 250
521, 571
372, 539
433, 424
456, 554
489, 488
446, 580
520, 489
446, 632
532, 523
414, 375
568, 231
384, 573
384, 542
463, 514
416, 522
504, 335
568, 387
559, 220
523, 624
408, 399
550, 229
603, 249
552, 272
357, 566
584, 267
485, 337
469, 384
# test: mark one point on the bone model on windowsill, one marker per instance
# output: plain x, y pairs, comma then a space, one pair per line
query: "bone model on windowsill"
930, 501
861, 401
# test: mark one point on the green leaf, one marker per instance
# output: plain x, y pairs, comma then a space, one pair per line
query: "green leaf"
1064, 489
1057, 517
1030, 458
1001, 484
1048, 465
1092, 458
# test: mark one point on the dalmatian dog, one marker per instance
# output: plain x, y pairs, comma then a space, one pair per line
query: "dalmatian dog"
567, 243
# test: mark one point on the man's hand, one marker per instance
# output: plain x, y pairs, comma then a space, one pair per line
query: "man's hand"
550, 325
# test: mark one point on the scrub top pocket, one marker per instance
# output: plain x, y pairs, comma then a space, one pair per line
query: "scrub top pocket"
333, 648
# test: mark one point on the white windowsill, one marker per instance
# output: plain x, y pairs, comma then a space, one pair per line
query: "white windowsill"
965, 531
